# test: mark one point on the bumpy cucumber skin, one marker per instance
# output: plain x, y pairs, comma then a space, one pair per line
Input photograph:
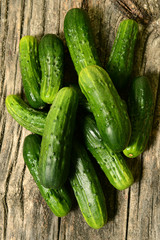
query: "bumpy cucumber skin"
87, 188
51, 57
79, 38
113, 164
107, 107
120, 63
141, 112
59, 201
30, 71
32, 119
57, 139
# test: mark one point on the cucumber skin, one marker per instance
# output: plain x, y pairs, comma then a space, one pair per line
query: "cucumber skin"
59, 201
107, 107
32, 119
87, 188
141, 112
79, 39
120, 63
113, 164
57, 139
30, 71
51, 57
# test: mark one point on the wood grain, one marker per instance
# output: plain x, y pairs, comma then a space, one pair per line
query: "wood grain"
133, 213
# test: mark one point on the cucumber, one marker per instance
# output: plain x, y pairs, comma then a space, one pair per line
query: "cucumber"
87, 188
141, 112
56, 144
32, 119
51, 57
79, 39
59, 201
113, 164
107, 107
30, 70
120, 63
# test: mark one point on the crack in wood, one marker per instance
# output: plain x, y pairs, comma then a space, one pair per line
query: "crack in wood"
4, 198
22, 192
2, 96
59, 228
128, 209
84, 5
132, 10
4, 201
3, 86
3, 126
3, 76
5, 216
19, 133
22, 18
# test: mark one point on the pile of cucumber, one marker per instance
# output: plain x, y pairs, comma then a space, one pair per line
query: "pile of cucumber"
70, 123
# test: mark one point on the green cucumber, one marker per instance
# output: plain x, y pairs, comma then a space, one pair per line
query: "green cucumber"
51, 57
120, 63
141, 112
32, 119
79, 39
59, 201
87, 188
107, 107
30, 70
113, 164
57, 139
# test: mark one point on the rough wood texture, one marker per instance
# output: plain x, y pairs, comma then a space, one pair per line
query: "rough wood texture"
133, 213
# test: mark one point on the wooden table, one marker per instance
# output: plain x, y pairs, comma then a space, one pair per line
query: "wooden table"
134, 213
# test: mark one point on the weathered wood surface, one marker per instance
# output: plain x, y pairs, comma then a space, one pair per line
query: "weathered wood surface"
133, 213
